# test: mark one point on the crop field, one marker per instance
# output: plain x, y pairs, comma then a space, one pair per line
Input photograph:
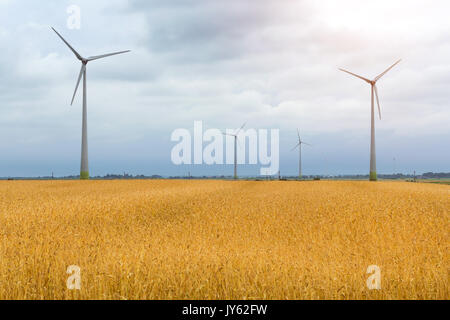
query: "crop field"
223, 239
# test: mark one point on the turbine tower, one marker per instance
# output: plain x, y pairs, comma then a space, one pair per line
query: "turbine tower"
235, 135
374, 90
299, 146
84, 172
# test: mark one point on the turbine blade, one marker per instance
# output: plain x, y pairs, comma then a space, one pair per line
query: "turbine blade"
83, 67
296, 146
70, 47
240, 129
298, 134
378, 100
228, 134
306, 144
378, 78
353, 74
106, 55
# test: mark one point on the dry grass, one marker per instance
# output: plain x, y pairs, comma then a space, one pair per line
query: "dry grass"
223, 240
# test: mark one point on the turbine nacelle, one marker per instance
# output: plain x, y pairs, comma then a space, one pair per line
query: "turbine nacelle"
373, 82
237, 132
84, 61
300, 141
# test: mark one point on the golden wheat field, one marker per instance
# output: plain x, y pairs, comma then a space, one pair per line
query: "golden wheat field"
223, 239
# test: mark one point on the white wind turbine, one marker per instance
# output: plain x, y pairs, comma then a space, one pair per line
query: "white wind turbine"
299, 146
84, 172
235, 135
373, 161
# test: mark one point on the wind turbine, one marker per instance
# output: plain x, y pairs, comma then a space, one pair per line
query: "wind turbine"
299, 146
84, 172
235, 135
373, 161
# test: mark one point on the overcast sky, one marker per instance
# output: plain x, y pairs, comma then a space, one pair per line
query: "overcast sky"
271, 63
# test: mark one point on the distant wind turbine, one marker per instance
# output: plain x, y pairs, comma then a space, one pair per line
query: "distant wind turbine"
235, 135
299, 146
84, 172
373, 161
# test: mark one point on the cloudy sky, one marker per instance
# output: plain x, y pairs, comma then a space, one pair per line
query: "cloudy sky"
271, 63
